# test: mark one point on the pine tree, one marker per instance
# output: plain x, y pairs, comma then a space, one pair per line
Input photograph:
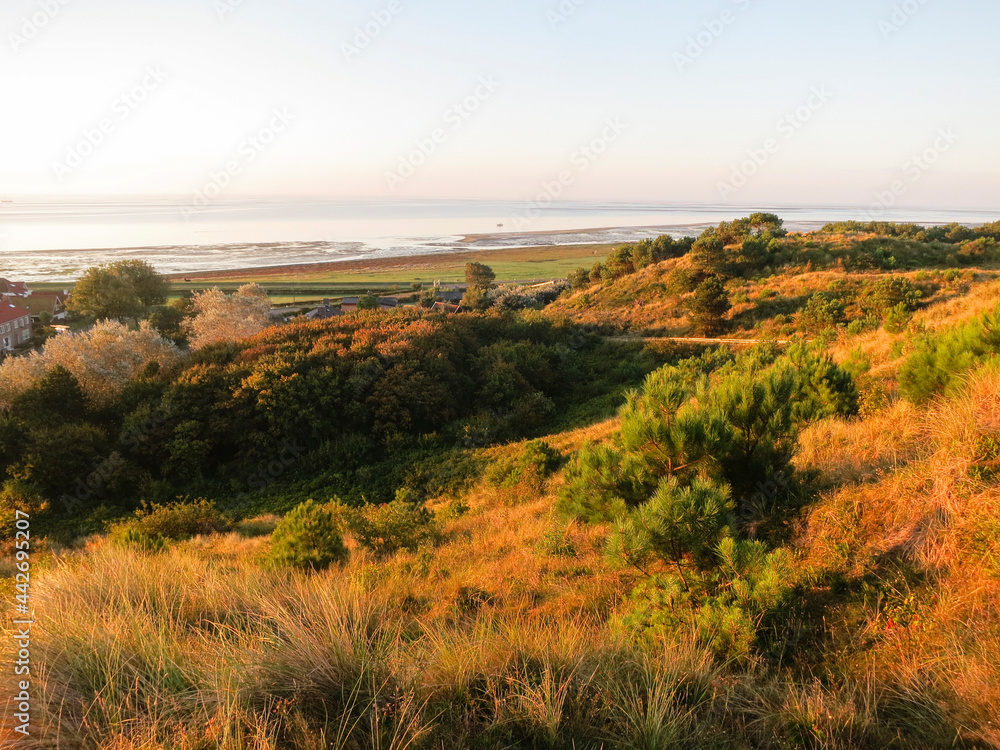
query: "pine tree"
308, 537
708, 307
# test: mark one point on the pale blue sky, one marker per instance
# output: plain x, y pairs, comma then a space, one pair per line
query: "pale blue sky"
687, 125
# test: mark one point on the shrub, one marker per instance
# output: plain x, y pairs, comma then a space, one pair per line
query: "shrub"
898, 319
822, 312
309, 537
180, 520
681, 281
679, 525
525, 297
939, 358
597, 488
579, 278
709, 254
891, 292
386, 529
129, 536
861, 325
556, 542
536, 462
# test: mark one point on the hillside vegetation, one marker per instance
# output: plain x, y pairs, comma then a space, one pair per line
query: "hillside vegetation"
511, 529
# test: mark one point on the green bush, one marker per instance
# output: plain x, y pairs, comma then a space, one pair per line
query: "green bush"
129, 536
939, 358
898, 319
726, 606
386, 529
679, 525
180, 520
822, 312
597, 488
891, 291
681, 281
309, 537
861, 325
535, 463
556, 542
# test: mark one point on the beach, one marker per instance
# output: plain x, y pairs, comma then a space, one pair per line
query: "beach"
55, 241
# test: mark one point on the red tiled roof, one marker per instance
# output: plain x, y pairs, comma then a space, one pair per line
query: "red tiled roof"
10, 313
15, 287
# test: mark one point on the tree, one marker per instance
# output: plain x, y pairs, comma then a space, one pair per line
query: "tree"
221, 317
709, 254
103, 360
368, 302
479, 275
475, 298
120, 290
761, 223
681, 525
168, 321
579, 278
386, 529
892, 291
709, 305
54, 397
822, 312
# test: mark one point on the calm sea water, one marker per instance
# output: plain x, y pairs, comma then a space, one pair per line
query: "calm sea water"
55, 239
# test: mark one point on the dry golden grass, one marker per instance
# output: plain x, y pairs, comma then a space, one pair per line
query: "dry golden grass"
962, 305
851, 451
929, 515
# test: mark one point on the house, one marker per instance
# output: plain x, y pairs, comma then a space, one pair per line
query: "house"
10, 289
15, 326
454, 296
324, 312
349, 304
52, 304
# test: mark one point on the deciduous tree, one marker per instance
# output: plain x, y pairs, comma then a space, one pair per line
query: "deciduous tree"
221, 317
120, 290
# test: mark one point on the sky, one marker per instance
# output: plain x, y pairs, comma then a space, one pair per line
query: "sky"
798, 102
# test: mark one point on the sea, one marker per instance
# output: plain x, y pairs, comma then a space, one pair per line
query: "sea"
55, 239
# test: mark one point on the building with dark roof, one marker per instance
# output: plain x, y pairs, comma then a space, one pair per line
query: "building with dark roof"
324, 312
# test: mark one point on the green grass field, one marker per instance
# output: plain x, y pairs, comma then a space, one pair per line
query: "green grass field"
518, 264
